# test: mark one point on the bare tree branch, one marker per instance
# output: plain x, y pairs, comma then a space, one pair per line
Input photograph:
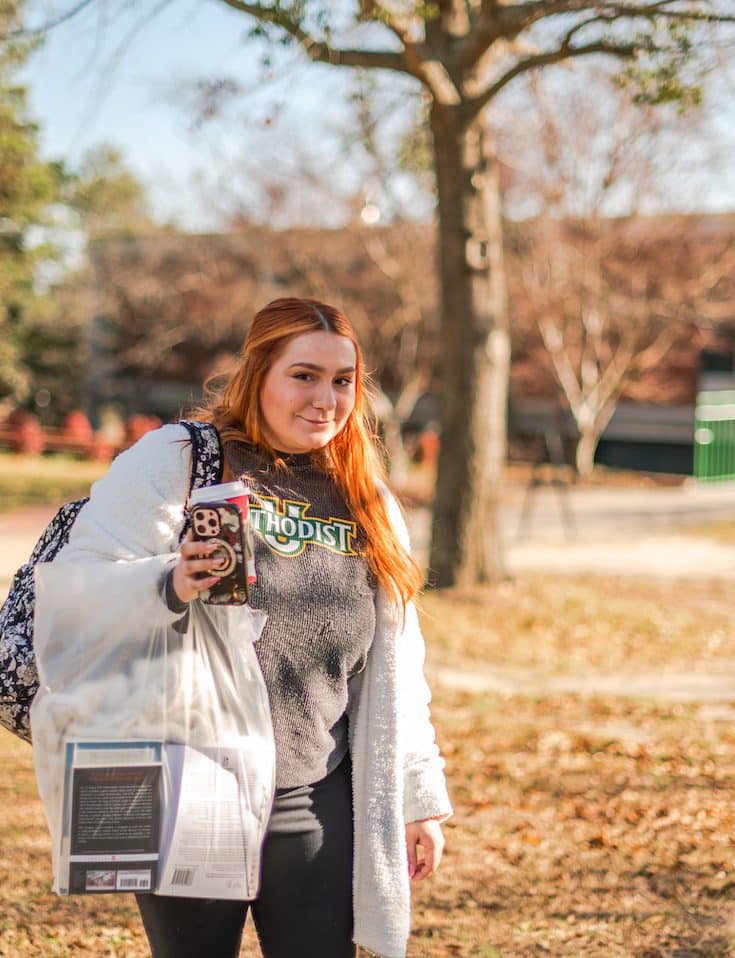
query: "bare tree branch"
322, 52
498, 22
554, 343
44, 28
622, 50
374, 10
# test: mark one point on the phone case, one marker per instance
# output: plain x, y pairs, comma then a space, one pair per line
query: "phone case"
222, 522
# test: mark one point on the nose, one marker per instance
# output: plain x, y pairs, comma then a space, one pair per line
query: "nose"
324, 397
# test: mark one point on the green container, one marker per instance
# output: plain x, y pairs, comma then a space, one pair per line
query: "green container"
714, 436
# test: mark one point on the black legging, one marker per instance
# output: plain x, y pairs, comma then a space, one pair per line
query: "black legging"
304, 908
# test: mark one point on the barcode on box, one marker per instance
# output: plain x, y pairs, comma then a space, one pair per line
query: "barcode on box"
133, 881
183, 876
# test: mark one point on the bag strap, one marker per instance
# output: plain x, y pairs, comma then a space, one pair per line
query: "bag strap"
207, 459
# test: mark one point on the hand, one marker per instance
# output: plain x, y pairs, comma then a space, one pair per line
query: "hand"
194, 558
428, 836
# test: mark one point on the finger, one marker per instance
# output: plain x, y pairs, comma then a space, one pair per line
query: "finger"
425, 868
197, 548
194, 567
431, 841
199, 585
430, 862
412, 850
188, 582
191, 588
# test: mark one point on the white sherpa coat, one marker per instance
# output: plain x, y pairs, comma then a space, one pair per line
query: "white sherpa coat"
136, 513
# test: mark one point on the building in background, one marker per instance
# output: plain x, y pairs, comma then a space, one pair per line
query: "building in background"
172, 311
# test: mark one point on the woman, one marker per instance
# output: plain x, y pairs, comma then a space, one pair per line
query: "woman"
360, 786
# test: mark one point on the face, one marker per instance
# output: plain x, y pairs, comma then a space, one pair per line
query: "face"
309, 392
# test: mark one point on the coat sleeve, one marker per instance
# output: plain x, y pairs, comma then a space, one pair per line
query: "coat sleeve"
425, 790
136, 510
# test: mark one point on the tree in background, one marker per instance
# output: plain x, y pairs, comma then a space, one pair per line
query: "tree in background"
610, 297
464, 53
48, 214
608, 306
105, 196
98, 199
27, 186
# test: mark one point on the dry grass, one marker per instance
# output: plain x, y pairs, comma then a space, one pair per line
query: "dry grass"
584, 826
578, 625
44, 480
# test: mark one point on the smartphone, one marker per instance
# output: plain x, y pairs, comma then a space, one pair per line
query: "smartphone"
221, 522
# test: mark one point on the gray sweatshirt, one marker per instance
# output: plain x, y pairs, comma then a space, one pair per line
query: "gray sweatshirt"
320, 598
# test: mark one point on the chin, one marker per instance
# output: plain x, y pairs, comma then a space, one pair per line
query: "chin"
318, 441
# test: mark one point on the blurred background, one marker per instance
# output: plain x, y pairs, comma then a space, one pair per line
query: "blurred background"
531, 225
168, 173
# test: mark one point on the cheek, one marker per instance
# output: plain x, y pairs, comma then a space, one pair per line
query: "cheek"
345, 406
275, 399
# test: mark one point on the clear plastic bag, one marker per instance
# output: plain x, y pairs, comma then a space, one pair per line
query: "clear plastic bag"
152, 739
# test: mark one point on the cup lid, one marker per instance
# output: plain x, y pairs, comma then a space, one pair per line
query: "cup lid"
222, 490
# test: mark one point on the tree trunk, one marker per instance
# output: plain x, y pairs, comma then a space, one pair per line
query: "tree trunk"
585, 452
466, 546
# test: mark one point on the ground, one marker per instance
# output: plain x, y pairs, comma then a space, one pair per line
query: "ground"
586, 717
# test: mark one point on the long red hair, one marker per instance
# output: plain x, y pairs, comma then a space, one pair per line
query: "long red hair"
352, 457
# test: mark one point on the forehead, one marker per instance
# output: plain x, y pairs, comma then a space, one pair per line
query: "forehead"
321, 348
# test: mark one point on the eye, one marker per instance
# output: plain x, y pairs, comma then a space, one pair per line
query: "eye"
343, 381
304, 377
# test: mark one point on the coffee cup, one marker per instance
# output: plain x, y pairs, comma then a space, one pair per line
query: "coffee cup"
236, 492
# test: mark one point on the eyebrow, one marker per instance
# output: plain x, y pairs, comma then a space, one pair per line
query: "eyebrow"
320, 369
